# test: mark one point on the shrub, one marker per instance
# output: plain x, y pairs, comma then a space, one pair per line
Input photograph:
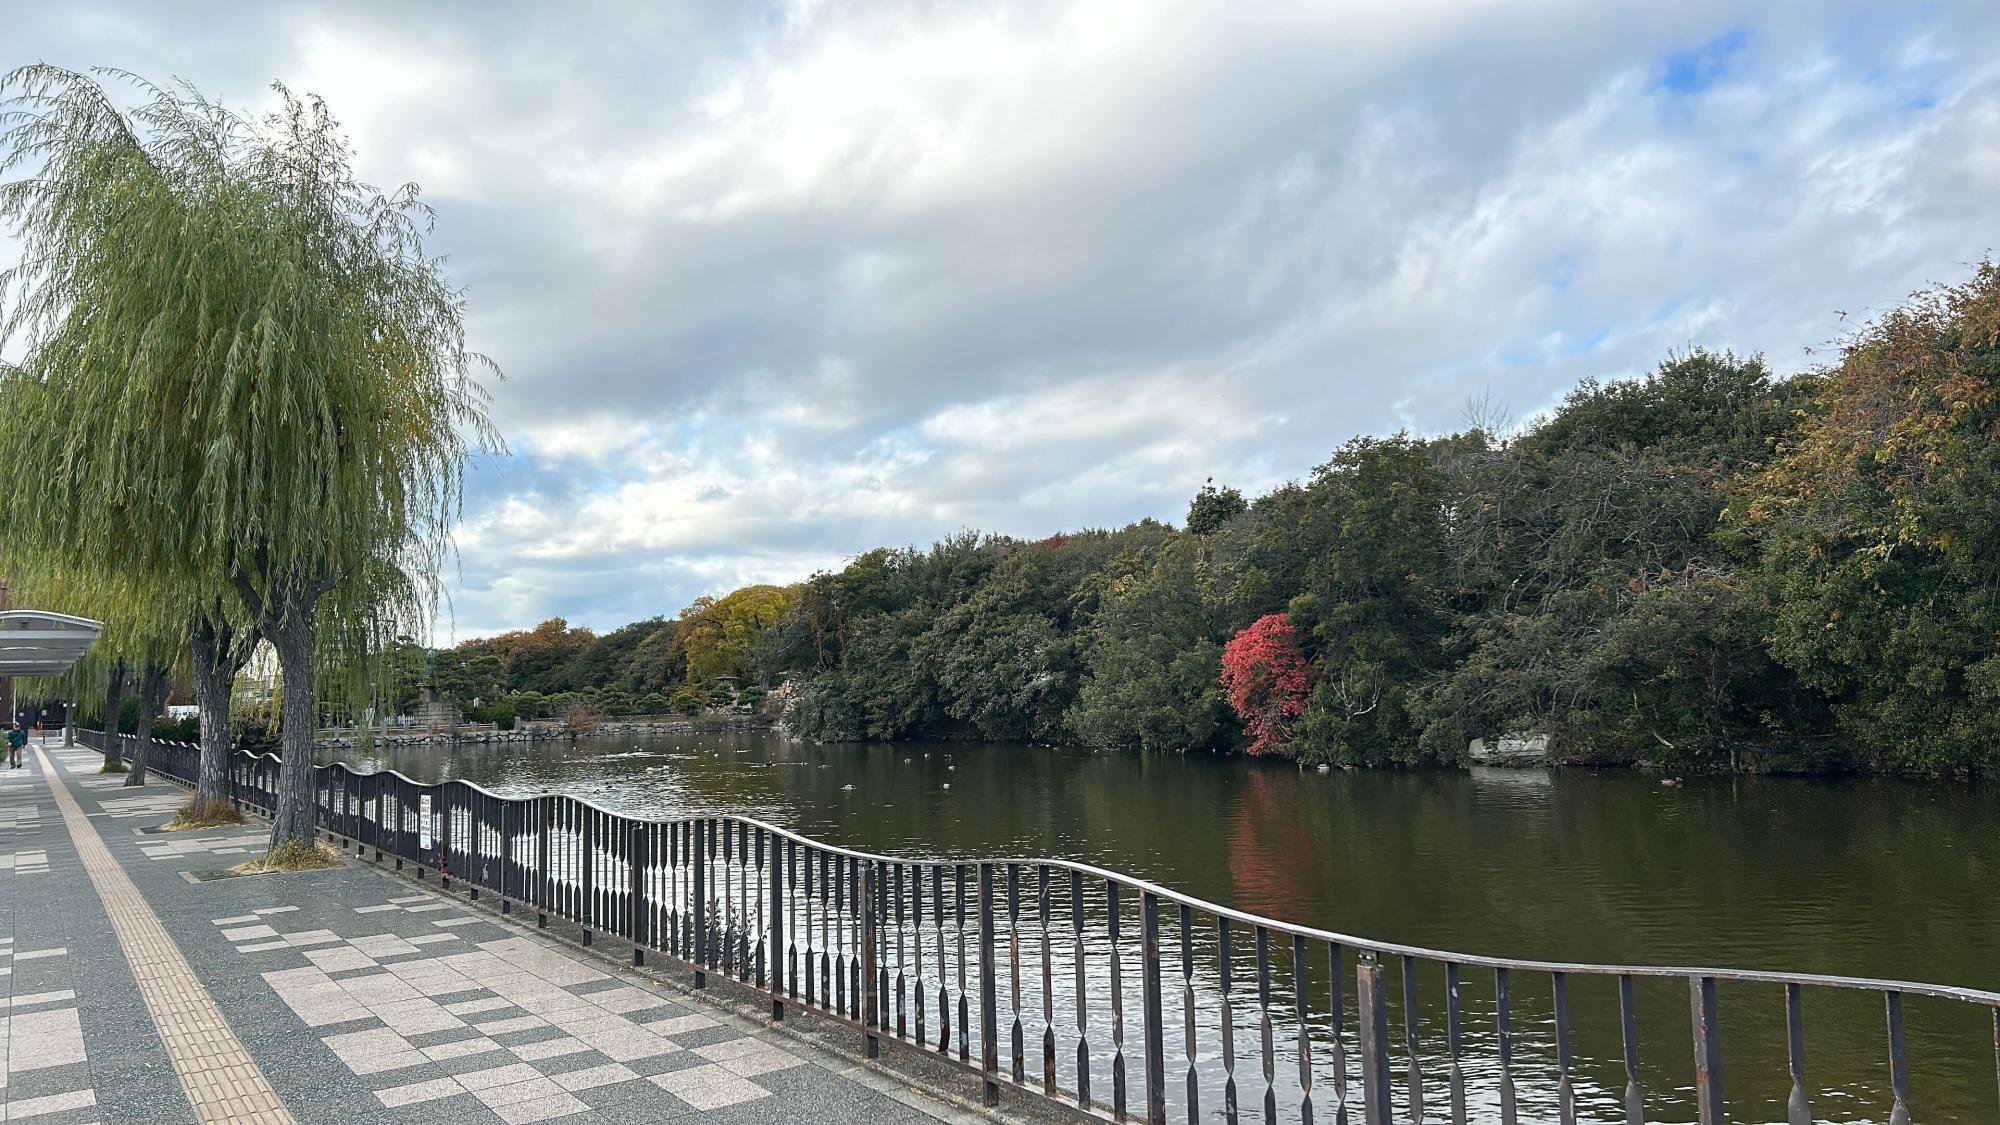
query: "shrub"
178, 730
501, 714
581, 716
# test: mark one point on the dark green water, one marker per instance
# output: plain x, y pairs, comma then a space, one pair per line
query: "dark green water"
1847, 877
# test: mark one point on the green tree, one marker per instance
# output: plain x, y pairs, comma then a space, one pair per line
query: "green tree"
1605, 605
1374, 600
1007, 658
1212, 508
720, 636
540, 659
1879, 530
1153, 660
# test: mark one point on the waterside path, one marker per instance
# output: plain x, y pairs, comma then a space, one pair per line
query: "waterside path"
133, 991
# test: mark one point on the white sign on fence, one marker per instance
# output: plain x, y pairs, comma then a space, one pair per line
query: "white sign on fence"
424, 822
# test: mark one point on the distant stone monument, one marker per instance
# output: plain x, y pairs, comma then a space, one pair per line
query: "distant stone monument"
433, 712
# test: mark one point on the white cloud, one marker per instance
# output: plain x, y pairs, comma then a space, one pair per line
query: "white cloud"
778, 283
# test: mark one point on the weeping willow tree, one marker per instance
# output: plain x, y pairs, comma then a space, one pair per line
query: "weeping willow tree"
251, 374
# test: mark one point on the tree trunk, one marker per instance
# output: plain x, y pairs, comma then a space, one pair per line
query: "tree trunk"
292, 636
214, 677
114, 697
152, 696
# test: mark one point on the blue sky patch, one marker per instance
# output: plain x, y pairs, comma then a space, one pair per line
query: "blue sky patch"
1691, 72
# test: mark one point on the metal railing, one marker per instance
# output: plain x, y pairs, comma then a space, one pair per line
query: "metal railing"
1140, 1003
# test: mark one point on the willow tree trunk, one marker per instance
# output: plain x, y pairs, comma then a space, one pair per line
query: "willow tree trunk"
209, 651
292, 636
152, 696
114, 697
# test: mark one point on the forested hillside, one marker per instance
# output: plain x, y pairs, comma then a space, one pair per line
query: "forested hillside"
1707, 566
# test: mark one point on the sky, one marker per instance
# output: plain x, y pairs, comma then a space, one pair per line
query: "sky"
775, 283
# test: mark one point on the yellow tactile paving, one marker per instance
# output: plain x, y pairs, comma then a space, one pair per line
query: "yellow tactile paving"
221, 1079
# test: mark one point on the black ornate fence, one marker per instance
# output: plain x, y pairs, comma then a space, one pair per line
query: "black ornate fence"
1103, 992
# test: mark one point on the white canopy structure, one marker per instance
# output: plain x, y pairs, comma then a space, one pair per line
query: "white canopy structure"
35, 642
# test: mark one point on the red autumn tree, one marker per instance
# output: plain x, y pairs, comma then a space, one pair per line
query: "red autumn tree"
1267, 679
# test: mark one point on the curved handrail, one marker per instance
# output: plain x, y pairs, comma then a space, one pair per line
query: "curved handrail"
1257, 921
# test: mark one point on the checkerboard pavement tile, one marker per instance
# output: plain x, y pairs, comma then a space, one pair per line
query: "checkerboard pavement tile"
27, 861
64, 986
157, 800
514, 1023
183, 845
365, 999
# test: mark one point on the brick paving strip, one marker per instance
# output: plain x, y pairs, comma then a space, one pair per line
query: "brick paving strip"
222, 1081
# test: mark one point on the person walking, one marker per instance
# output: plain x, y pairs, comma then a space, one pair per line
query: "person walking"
16, 739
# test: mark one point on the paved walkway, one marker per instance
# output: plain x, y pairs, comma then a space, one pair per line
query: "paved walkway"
343, 995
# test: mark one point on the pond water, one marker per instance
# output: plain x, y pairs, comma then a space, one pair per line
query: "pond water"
1851, 877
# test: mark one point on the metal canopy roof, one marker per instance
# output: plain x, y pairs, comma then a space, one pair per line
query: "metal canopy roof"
35, 642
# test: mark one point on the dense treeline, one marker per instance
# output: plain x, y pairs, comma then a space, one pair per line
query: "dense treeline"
1710, 566
649, 667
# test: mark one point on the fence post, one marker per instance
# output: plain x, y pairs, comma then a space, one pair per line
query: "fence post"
1707, 1050
777, 929
1370, 996
1899, 1061
545, 817
444, 839
508, 810
586, 906
636, 862
1155, 1029
882, 914
989, 1005
475, 838
870, 1016
699, 829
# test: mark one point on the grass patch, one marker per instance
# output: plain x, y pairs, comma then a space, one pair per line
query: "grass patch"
197, 814
115, 767
294, 856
